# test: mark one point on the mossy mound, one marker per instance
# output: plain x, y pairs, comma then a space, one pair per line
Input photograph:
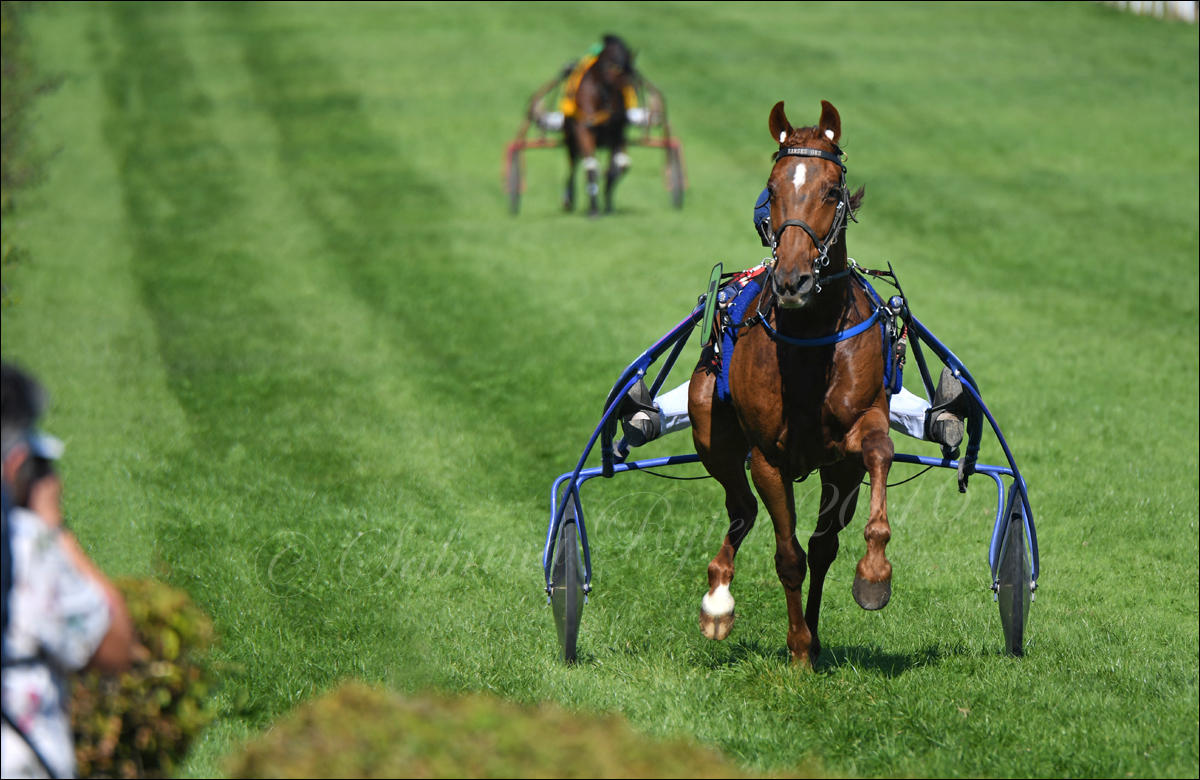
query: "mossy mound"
358, 731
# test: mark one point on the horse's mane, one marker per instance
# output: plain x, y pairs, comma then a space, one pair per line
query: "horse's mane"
812, 134
617, 51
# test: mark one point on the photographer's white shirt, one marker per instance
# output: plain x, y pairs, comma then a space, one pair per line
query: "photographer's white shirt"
57, 619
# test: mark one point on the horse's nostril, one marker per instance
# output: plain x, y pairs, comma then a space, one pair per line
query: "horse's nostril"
791, 284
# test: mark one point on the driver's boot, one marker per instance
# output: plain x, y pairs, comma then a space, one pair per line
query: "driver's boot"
640, 418
944, 419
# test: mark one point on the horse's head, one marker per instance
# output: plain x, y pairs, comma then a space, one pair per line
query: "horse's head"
615, 62
809, 202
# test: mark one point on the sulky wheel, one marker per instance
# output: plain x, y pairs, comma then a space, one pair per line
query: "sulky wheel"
1013, 575
675, 176
566, 596
513, 182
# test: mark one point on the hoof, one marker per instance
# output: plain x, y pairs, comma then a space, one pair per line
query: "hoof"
716, 626
872, 595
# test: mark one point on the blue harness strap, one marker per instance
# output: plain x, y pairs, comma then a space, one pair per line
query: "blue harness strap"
737, 315
893, 373
824, 341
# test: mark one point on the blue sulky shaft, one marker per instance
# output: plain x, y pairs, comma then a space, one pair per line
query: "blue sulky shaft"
567, 486
629, 377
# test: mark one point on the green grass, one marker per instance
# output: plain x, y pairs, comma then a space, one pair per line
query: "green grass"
282, 309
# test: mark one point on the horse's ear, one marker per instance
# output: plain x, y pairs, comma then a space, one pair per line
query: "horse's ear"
831, 122
780, 127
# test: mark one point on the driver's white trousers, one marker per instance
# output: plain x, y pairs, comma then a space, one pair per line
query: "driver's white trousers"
906, 412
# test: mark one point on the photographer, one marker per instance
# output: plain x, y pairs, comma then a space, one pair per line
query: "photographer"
61, 613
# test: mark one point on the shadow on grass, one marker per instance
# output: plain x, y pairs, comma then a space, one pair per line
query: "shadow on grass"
881, 662
741, 651
859, 659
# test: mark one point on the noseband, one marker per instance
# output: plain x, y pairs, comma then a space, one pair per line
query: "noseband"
839, 218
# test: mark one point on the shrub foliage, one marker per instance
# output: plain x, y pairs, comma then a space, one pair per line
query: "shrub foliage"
139, 724
358, 731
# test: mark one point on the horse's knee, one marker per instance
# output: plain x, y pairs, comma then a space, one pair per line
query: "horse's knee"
877, 450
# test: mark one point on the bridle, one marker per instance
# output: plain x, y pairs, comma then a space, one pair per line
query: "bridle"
839, 218
821, 261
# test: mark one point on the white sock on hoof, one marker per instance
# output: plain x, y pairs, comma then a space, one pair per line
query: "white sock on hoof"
718, 603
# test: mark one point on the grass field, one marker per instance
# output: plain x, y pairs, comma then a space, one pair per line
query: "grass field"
311, 370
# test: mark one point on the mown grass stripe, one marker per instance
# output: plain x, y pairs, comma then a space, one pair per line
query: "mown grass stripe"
349, 156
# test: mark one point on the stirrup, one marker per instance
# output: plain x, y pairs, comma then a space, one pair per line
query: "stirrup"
944, 419
640, 419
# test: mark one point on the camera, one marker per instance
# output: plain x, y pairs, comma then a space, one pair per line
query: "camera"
32, 471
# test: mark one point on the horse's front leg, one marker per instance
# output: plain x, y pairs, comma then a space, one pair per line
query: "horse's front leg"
790, 562
616, 169
873, 577
721, 446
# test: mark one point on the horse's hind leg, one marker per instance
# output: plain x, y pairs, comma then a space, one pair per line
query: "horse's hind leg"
572, 161
873, 577
616, 168
722, 448
569, 190
839, 498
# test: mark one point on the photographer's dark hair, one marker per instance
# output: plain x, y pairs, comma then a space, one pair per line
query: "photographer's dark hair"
21, 403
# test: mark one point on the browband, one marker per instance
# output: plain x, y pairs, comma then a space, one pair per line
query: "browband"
804, 151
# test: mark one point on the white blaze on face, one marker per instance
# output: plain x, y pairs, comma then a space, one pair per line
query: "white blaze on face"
799, 176
717, 603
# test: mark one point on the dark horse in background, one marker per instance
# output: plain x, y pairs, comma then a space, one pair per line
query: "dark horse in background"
798, 408
598, 121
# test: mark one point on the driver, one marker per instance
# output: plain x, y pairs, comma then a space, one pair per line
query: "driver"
644, 419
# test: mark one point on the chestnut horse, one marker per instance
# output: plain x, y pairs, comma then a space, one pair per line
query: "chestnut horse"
797, 408
598, 121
